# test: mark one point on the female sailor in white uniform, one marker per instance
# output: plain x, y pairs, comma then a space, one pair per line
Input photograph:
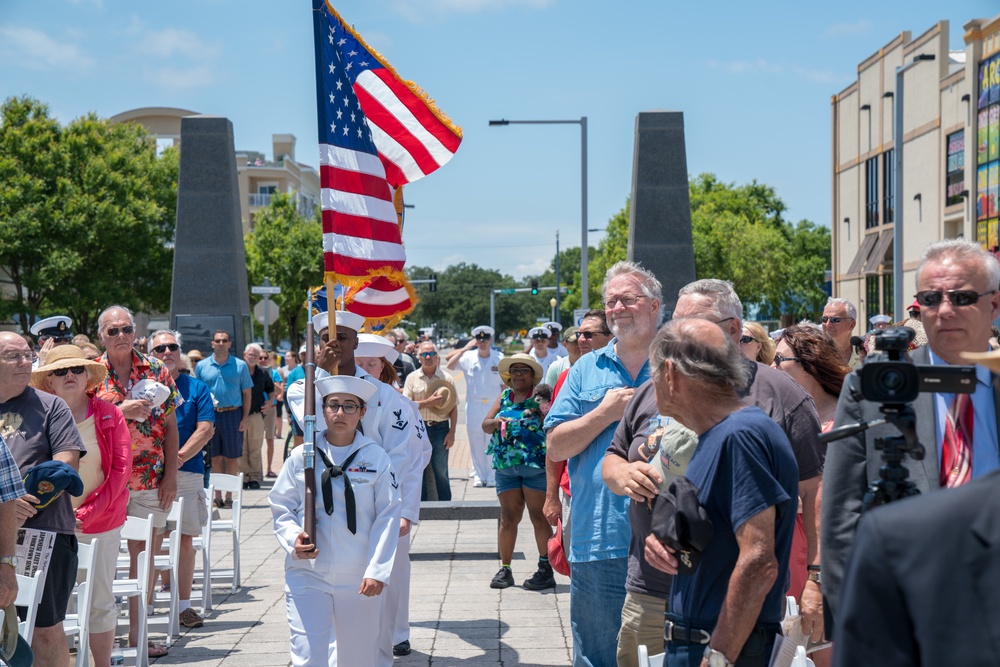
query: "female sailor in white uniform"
357, 527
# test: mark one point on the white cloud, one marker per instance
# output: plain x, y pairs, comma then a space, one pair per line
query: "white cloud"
537, 267
761, 66
36, 50
859, 27
181, 77
171, 41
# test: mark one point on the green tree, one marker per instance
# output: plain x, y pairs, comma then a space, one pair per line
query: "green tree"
86, 215
287, 249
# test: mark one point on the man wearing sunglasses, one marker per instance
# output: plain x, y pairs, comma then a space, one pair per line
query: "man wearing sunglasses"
957, 286
153, 428
440, 428
839, 318
195, 426
228, 378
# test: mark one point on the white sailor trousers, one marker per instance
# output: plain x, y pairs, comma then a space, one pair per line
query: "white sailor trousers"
323, 612
476, 410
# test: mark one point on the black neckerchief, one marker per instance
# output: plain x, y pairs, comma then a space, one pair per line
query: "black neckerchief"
326, 480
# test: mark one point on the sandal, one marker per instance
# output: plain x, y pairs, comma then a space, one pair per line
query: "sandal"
271, 474
219, 503
156, 650
228, 504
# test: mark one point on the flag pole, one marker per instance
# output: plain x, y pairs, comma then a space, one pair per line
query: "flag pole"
331, 309
309, 426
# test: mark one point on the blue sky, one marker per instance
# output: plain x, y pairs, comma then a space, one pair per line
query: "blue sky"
754, 81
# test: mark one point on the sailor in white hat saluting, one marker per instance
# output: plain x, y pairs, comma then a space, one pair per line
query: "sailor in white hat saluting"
49, 333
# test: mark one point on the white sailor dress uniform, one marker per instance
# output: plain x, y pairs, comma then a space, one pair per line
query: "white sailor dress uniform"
482, 386
390, 421
321, 594
545, 361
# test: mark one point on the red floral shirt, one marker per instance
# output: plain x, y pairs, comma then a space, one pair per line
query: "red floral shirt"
147, 436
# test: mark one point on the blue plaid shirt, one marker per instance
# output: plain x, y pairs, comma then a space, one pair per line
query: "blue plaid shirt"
11, 484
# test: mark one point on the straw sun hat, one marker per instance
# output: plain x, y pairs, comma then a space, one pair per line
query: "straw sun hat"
68, 356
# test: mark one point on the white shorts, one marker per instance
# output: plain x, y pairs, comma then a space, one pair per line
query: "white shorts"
191, 487
143, 503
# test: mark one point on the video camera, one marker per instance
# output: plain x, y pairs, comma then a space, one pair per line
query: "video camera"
893, 382
887, 378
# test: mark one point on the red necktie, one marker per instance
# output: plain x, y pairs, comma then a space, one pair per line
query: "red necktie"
956, 448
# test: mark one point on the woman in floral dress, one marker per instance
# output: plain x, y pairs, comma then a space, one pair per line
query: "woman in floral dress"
517, 446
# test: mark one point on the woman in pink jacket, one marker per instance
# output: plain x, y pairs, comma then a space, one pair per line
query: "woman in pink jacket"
101, 509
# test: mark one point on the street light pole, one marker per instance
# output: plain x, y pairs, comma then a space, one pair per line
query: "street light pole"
898, 306
558, 280
582, 122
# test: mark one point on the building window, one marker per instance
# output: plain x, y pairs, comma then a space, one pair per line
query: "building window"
987, 152
955, 178
871, 192
888, 187
871, 297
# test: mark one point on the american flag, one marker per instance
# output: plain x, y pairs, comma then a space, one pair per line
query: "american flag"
376, 133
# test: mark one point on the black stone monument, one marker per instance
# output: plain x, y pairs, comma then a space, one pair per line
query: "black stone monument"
659, 232
209, 288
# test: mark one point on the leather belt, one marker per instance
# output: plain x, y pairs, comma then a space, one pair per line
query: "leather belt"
442, 421
676, 632
237, 407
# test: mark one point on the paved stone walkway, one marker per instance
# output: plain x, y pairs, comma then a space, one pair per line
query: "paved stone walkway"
455, 617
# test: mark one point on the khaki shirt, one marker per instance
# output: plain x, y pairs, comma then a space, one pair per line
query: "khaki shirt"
416, 388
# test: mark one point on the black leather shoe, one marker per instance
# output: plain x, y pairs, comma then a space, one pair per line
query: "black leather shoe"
254, 484
541, 579
402, 648
503, 578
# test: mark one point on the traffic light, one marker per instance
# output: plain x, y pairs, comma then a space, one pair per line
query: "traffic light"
434, 283
534, 287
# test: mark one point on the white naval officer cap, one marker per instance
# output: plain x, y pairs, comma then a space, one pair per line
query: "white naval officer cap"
57, 326
539, 332
483, 329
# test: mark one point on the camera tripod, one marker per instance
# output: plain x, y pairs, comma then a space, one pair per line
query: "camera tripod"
893, 481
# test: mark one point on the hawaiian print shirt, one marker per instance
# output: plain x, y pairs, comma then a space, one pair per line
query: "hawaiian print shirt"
520, 439
147, 436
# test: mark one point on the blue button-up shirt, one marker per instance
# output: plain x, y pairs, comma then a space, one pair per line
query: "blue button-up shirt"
600, 527
985, 454
226, 381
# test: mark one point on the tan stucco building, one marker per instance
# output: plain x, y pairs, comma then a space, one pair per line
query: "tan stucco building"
951, 159
258, 177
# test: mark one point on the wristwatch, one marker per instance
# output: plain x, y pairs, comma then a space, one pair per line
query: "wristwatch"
815, 577
10, 560
716, 658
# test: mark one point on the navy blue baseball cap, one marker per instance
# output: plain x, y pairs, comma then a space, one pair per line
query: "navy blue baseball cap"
46, 480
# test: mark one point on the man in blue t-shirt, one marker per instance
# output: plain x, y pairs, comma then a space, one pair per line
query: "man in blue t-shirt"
729, 608
195, 426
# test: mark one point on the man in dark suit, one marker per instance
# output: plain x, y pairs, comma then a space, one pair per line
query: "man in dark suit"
922, 582
957, 285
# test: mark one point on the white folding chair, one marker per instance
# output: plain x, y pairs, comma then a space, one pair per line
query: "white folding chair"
169, 562
29, 595
234, 485
140, 530
77, 624
646, 660
203, 543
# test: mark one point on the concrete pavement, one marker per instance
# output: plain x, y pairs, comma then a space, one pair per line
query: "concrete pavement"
455, 617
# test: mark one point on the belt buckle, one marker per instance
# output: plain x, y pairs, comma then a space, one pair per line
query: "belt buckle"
705, 634
668, 631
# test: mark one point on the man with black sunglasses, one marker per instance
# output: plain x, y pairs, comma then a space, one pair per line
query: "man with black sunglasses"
957, 293
153, 430
839, 318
